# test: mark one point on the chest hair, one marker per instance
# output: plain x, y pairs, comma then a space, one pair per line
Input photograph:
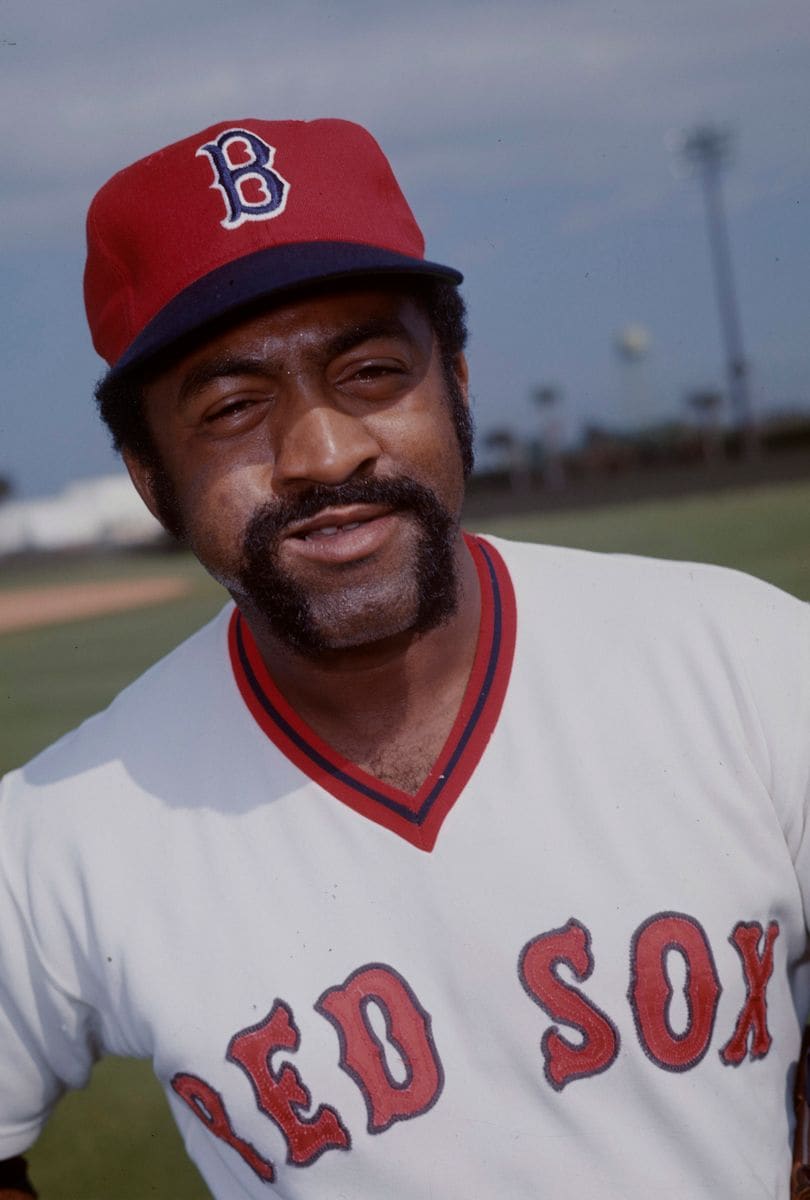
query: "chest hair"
401, 756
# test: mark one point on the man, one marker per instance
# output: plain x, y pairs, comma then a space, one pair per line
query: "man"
435, 866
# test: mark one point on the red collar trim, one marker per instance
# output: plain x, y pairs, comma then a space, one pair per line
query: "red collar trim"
416, 818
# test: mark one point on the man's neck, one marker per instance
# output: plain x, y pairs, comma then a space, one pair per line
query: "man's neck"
387, 706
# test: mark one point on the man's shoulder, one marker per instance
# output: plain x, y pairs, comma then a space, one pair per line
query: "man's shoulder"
569, 567
653, 598
167, 698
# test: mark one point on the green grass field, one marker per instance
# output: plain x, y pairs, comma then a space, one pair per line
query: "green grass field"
115, 1139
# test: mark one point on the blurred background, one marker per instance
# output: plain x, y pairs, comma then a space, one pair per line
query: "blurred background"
626, 188
556, 151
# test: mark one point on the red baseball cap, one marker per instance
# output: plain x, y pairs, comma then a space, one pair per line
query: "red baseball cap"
238, 212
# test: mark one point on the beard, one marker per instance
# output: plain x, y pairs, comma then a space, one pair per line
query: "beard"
420, 598
422, 595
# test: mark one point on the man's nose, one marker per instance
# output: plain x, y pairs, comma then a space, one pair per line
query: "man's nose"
321, 443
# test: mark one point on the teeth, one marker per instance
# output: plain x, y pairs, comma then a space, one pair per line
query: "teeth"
331, 530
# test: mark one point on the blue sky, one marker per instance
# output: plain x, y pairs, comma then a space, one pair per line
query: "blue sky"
535, 141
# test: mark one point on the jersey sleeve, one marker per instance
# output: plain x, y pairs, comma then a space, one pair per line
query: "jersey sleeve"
777, 665
798, 828
47, 1035
756, 643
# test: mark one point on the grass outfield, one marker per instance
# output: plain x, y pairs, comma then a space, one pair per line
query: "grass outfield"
55, 676
116, 1139
764, 530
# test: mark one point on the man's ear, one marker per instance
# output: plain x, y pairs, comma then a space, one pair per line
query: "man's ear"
143, 479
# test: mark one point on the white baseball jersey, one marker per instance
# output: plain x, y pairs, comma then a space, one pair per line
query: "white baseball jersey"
572, 964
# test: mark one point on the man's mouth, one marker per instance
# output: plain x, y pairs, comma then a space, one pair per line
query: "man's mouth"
332, 521
342, 534
329, 531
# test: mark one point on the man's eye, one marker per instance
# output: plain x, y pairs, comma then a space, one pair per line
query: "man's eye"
232, 408
374, 371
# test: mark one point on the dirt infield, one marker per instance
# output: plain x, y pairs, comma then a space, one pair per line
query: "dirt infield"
28, 608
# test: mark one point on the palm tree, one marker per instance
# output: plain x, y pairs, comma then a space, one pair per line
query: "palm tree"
548, 399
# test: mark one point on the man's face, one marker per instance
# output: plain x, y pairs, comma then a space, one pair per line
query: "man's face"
311, 459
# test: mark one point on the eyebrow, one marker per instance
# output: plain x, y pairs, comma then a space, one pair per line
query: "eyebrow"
375, 327
225, 366
221, 367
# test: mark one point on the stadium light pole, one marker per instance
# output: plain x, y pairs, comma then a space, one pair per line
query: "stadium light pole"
709, 148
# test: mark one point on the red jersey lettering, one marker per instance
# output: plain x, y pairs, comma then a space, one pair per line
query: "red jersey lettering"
651, 991
282, 1096
757, 970
209, 1106
362, 1054
539, 962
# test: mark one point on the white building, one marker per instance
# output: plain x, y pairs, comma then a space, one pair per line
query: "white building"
90, 512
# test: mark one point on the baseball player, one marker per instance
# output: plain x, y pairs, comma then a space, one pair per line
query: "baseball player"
435, 865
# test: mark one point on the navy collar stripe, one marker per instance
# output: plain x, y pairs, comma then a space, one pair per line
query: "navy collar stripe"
416, 817
324, 764
303, 745
494, 655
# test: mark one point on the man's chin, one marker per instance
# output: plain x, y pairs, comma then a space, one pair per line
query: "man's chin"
372, 625
314, 623
316, 600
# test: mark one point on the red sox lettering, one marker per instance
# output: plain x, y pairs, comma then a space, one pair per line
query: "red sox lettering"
650, 990
207, 1104
283, 1097
757, 970
408, 1028
537, 965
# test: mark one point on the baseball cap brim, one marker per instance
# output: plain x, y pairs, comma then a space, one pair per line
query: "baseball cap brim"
262, 275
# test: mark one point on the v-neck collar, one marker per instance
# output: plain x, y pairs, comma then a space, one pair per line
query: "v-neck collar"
417, 818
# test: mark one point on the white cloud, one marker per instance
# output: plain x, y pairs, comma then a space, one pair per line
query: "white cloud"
552, 94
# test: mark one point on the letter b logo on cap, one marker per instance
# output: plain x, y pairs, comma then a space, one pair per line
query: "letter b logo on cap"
233, 179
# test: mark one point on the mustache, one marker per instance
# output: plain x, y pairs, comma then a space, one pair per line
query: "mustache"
399, 493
